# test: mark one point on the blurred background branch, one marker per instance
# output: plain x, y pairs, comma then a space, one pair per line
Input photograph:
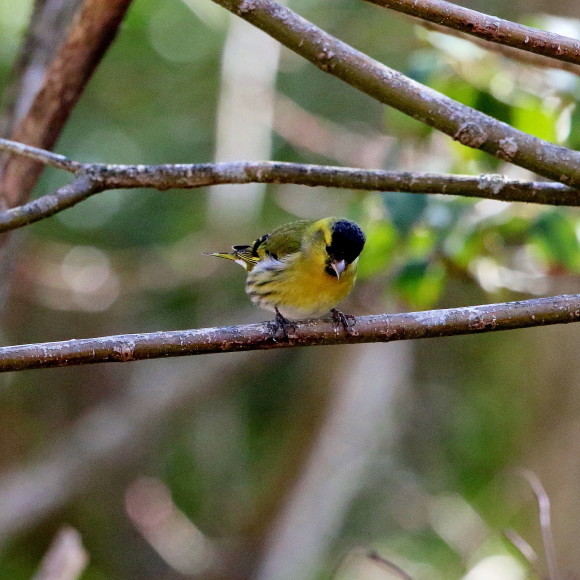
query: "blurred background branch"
66, 558
46, 29
91, 32
56, 61
359, 423
100, 441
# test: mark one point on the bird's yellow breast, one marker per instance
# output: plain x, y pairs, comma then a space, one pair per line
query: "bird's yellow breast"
300, 286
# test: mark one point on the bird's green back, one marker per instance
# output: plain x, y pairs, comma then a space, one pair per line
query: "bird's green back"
285, 239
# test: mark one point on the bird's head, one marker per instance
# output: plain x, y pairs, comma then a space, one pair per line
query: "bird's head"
344, 243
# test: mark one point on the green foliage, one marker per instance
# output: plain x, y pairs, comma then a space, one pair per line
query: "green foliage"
556, 238
380, 249
405, 210
420, 283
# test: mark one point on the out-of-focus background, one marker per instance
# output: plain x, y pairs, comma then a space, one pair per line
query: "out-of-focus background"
280, 465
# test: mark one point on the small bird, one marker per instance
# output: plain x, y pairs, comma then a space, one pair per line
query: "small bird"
303, 268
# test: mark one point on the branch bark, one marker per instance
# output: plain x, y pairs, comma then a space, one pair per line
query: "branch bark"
489, 28
464, 124
94, 178
264, 336
523, 57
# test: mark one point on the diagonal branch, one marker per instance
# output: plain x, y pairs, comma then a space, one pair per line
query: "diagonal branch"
464, 124
93, 29
264, 336
65, 559
94, 178
47, 27
489, 28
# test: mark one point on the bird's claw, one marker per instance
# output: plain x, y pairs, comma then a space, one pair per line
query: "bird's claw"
283, 325
341, 319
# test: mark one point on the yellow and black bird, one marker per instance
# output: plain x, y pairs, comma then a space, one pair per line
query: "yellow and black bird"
303, 268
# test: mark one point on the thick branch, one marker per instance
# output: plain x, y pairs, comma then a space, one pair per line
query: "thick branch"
464, 124
93, 29
264, 336
91, 179
47, 27
489, 28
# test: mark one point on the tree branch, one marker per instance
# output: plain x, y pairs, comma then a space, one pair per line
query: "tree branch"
66, 557
521, 56
47, 27
489, 28
41, 155
263, 336
93, 29
464, 124
95, 178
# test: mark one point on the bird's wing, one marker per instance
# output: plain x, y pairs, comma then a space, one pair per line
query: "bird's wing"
284, 240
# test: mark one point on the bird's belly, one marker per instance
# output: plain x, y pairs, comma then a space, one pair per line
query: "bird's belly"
296, 292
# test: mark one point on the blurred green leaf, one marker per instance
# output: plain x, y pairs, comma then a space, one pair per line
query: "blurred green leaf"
421, 242
456, 89
532, 116
555, 236
574, 137
487, 103
379, 249
405, 209
420, 283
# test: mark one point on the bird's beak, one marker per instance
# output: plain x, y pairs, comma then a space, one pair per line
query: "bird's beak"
338, 266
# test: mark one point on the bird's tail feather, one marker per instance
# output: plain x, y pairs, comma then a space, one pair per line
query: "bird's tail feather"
240, 255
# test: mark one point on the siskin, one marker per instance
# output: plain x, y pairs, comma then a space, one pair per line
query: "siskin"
304, 268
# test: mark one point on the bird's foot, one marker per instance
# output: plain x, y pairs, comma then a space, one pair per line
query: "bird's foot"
341, 319
283, 325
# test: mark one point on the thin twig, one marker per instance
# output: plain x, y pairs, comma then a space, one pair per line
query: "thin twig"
43, 207
545, 521
388, 565
42, 155
464, 124
264, 336
66, 557
489, 28
362, 553
524, 549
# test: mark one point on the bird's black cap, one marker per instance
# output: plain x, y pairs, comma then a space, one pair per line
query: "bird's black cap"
347, 241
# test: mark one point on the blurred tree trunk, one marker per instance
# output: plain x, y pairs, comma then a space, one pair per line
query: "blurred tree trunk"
57, 59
